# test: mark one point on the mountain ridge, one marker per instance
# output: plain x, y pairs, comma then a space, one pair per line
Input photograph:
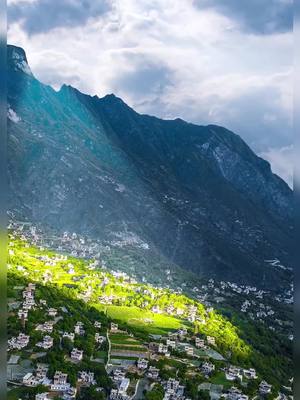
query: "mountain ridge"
198, 194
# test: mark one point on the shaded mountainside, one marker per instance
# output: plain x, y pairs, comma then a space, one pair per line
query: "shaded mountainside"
197, 195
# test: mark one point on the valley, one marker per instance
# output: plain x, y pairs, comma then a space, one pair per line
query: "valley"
148, 259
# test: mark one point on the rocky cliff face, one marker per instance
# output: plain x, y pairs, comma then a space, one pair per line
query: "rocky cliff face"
198, 195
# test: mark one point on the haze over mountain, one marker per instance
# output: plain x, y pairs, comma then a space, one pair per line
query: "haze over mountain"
198, 195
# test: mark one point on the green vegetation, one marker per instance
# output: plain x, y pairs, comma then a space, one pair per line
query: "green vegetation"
219, 379
146, 320
157, 393
131, 302
58, 356
93, 294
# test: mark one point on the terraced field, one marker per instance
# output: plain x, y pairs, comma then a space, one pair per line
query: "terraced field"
124, 347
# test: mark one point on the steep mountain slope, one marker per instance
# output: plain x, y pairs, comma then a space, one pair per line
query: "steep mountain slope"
196, 195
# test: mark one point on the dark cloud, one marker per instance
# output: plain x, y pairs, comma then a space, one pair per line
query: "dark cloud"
256, 16
44, 15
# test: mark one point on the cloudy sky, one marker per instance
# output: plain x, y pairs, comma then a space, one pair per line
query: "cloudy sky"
227, 62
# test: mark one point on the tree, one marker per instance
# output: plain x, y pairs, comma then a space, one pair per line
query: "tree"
157, 393
91, 394
203, 395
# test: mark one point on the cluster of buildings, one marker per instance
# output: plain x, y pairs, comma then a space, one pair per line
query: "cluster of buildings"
59, 385
179, 341
173, 390
259, 305
27, 303
39, 377
236, 394
121, 384
233, 373
18, 342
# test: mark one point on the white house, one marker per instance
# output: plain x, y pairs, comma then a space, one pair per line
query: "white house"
41, 371
52, 312
211, 340
114, 327
46, 327
79, 328
189, 350
155, 309
71, 269
236, 394
171, 343
69, 394
113, 394
163, 349
250, 373
47, 343
153, 372
87, 378
170, 309
30, 380
28, 294
142, 363
173, 390
69, 335
265, 388
199, 343
28, 303
42, 396
118, 375
76, 355
207, 368
99, 339
182, 332
233, 373
23, 314
124, 386
60, 378
60, 382
191, 317
18, 342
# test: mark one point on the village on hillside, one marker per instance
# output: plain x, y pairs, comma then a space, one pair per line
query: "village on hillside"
79, 331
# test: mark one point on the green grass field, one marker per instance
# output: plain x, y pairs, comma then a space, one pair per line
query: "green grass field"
148, 321
220, 379
100, 354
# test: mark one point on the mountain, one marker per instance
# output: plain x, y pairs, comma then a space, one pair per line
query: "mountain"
196, 195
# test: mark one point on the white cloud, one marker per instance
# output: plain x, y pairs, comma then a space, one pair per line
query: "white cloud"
282, 161
167, 58
12, 2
